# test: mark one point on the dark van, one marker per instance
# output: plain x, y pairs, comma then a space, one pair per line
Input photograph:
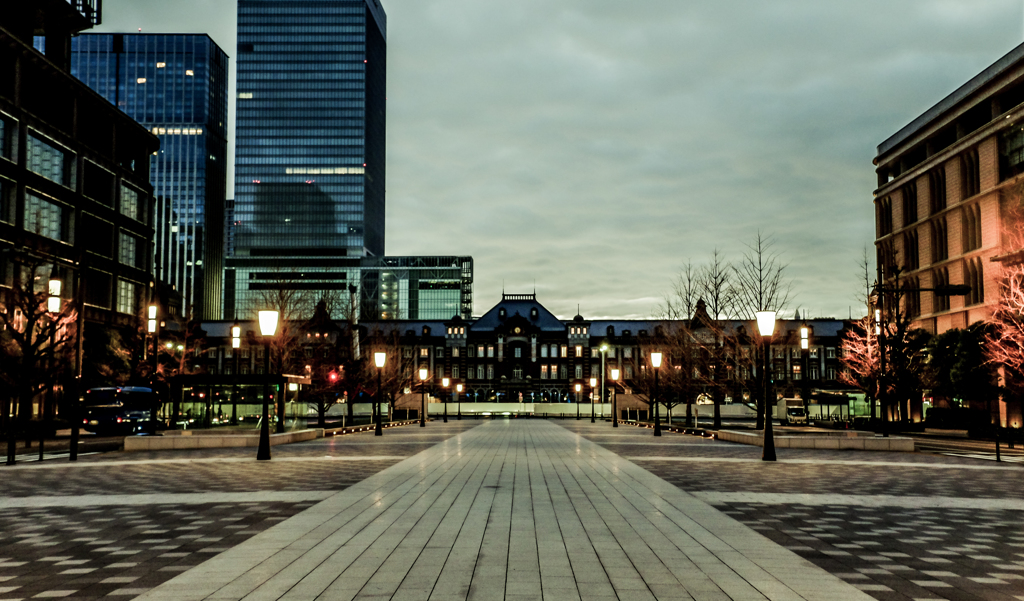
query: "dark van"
121, 410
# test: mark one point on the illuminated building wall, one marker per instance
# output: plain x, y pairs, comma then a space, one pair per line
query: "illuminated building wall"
175, 85
309, 149
417, 288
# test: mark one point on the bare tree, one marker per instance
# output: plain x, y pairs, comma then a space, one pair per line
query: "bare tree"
761, 285
719, 293
681, 302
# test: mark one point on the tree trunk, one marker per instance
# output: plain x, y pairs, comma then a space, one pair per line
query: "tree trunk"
716, 397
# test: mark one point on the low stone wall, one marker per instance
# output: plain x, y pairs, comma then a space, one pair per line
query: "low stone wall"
852, 440
184, 439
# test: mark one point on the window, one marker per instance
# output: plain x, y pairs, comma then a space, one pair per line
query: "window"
518, 352
544, 350
910, 250
579, 350
940, 246
130, 202
970, 174
517, 372
47, 218
813, 352
439, 353
1011, 152
407, 352
940, 278
974, 277
565, 351
127, 297
830, 352
814, 373
971, 227
49, 161
480, 351
909, 204
424, 352
455, 352
579, 372
490, 351
127, 249
455, 372
912, 297
543, 372
563, 372
937, 188
8, 139
7, 189
244, 352
884, 216
797, 372
479, 372
831, 371
554, 351
490, 372
627, 352
438, 372
628, 372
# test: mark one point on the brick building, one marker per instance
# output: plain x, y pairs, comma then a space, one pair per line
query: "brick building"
948, 186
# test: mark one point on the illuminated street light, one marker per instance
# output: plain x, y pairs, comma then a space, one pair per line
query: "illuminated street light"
423, 397
379, 359
268, 327
656, 364
766, 326
593, 385
444, 383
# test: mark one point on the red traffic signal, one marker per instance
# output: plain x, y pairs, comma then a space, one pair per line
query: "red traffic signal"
332, 377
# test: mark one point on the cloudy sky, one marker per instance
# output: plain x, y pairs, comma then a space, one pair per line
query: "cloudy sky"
589, 148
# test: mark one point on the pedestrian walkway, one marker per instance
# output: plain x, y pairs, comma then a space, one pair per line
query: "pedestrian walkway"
513, 509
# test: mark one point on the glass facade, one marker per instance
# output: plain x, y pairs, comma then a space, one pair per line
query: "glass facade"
436, 288
175, 85
309, 149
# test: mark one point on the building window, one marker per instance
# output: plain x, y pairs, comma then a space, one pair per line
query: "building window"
543, 372
971, 224
455, 352
831, 373
479, 372
912, 297
814, 373
439, 372
424, 352
579, 350
518, 352
813, 352
628, 372
579, 372
517, 372
554, 351
1011, 152
940, 302
937, 189
627, 353
490, 372
830, 352
127, 249
130, 203
48, 219
909, 204
49, 161
480, 351
940, 246
7, 189
563, 372
407, 353
8, 139
910, 250
543, 350
127, 297
439, 353
565, 351
797, 375
970, 174
490, 351
884, 210
975, 278
455, 372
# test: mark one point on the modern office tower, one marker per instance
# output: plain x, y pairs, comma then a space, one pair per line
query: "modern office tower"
309, 149
417, 288
949, 197
175, 85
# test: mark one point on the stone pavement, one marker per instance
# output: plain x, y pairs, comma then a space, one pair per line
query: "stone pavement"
562, 511
513, 509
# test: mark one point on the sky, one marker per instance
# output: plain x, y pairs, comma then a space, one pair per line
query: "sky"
588, 149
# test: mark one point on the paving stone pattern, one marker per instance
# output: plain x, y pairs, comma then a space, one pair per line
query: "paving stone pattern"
890, 553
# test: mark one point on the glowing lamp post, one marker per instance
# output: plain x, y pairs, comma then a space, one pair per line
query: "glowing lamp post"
379, 359
766, 326
268, 327
578, 388
593, 385
805, 359
656, 364
423, 397
445, 382
615, 400
604, 349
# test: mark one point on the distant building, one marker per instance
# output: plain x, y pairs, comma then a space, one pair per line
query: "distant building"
309, 148
948, 191
175, 85
74, 171
417, 288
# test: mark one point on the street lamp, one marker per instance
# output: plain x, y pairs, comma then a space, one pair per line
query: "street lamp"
458, 399
378, 360
578, 387
593, 385
53, 301
268, 327
444, 383
604, 349
423, 397
656, 364
805, 359
766, 326
615, 400
236, 343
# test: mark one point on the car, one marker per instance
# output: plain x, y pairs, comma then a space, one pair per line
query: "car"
119, 410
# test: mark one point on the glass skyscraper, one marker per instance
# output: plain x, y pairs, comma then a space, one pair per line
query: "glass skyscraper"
309, 149
176, 86
417, 288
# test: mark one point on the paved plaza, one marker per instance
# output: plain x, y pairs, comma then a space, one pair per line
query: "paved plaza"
512, 509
